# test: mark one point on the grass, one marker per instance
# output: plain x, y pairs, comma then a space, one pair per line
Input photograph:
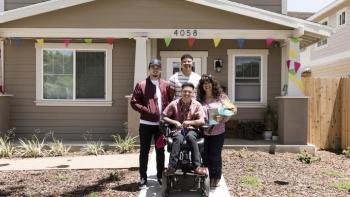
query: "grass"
124, 145
57, 148
32, 148
115, 176
94, 148
345, 185
333, 173
346, 152
305, 157
6, 148
250, 181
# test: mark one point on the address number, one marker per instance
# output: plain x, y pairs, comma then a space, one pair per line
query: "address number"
186, 32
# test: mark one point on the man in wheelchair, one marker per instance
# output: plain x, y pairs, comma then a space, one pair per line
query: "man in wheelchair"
185, 115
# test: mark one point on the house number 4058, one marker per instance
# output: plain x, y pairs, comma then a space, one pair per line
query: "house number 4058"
186, 32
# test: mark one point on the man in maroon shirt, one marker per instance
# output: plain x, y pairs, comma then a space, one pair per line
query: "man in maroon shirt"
185, 114
149, 98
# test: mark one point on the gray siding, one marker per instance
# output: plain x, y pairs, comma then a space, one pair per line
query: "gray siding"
274, 67
338, 42
67, 122
142, 14
270, 5
13, 4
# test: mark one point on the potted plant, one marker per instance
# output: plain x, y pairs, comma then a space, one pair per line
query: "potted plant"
268, 119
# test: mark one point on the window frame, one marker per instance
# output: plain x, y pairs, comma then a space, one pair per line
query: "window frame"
98, 47
326, 44
339, 13
263, 54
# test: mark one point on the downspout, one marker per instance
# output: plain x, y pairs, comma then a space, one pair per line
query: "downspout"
2, 64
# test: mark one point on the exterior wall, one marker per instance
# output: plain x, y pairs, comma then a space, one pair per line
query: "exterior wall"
274, 67
338, 42
270, 5
340, 69
142, 14
13, 4
71, 123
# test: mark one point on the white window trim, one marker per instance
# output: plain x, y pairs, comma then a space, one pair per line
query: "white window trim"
326, 45
337, 18
40, 101
263, 53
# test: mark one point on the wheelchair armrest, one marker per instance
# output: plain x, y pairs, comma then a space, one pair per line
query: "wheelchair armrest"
165, 128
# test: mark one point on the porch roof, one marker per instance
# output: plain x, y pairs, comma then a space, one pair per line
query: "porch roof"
310, 32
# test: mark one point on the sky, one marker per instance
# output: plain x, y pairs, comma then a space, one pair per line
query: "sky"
307, 5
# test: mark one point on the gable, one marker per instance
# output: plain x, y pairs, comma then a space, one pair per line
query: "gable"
157, 14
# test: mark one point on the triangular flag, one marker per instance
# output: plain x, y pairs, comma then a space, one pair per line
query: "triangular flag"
217, 42
296, 66
17, 41
40, 41
288, 64
269, 41
167, 41
241, 43
292, 54
110, 41
88, 40
191, 41
66, 42
295, 40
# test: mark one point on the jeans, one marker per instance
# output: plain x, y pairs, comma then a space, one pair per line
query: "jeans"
178, 139
146, 133
212, 154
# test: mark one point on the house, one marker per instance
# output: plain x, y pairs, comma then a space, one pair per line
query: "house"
331, 56
68, 65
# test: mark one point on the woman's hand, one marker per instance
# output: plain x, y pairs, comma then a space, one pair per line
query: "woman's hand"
220, 119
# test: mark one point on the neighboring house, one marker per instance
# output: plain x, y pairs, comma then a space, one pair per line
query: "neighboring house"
331, 56
301, 15
70, 84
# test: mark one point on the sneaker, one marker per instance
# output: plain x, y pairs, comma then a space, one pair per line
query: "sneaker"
143, 183
160, 181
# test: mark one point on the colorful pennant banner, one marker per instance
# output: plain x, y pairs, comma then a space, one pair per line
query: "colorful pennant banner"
269, 41
40, 41
191, 41
66, 42
88, 40
241, 42
110, 41
295, 40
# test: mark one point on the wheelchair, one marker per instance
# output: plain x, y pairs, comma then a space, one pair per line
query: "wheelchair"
184, 178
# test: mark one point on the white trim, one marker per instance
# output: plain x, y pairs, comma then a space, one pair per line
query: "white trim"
73, 103
337, 18
225, 5
38, 8
263, 53
141, 64
326, 9
177, 54
284, 7
130, 33
2, 5
284, 71
81, 102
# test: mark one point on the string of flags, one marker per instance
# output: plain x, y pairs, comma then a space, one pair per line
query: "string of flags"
167, 40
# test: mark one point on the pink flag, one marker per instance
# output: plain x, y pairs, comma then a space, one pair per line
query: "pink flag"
269, 41
191, 41
288, 64
110, 41
296, 66
66, 42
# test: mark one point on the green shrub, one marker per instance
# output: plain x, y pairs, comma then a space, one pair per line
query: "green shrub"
332, 173
251, 181
124, 145
56, 148
345, 185
346, 152
6, 148
243, 153
306, 157
32, 148
115, 176
94, 148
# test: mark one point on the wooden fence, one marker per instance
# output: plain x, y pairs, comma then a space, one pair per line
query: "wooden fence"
329, 112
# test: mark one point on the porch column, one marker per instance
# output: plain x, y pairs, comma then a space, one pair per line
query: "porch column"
295, 85
140, 59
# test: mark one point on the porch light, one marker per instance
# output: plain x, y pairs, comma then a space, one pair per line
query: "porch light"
218, 65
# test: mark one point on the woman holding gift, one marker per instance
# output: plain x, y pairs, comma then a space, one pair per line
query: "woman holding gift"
211, 96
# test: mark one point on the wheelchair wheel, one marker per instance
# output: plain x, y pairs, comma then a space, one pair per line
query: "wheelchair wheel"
206, 186
165, 188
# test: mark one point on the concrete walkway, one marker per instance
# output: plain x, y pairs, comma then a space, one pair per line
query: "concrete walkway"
154, 189
72, 162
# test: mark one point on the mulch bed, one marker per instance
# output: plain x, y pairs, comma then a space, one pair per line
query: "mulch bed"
282, 174
69, 183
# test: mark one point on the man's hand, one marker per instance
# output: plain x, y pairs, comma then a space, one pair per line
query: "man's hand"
178, 125
186, 123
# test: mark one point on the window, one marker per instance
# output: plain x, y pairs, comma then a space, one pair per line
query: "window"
77, 75
341, 18
323, 42
248, 77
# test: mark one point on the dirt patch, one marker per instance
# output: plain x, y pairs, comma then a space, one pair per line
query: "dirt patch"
282, 174
97, 182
